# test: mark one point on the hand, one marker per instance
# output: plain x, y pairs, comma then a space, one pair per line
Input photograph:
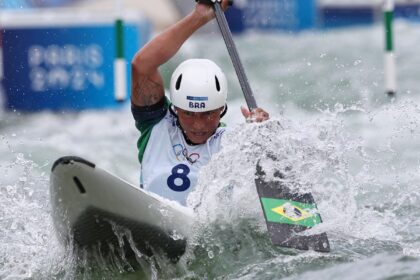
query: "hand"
207, 12
257, 115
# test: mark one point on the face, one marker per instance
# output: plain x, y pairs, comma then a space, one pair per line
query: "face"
199, 126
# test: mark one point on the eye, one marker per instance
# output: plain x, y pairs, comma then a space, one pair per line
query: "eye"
211, 114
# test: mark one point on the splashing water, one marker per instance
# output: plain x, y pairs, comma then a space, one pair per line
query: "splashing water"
333, 131
28, 245
363, 214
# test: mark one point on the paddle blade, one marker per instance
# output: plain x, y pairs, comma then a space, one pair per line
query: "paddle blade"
287, 214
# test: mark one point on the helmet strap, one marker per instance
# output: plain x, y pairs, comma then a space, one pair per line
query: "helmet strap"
172, 111
224, 111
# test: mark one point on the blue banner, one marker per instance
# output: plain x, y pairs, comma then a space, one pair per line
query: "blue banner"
62, 68
19, 4
272, 15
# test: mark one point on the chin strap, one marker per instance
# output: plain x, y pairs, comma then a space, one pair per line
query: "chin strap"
173, 113
224, 111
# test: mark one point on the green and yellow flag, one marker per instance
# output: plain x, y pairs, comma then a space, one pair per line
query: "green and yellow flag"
290, 212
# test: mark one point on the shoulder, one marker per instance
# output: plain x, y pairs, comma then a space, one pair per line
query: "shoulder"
148, 116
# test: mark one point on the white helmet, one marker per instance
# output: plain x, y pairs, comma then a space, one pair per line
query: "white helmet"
198, 85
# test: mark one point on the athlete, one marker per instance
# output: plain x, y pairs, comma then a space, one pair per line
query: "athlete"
179, 136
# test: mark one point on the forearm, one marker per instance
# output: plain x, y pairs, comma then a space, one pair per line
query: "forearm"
165, 45
147, 84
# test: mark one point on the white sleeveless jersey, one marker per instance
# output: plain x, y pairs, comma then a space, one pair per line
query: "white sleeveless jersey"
170, 166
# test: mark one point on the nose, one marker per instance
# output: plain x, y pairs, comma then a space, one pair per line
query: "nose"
199, 123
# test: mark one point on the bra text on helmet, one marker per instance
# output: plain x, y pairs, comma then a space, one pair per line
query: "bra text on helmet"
197, 105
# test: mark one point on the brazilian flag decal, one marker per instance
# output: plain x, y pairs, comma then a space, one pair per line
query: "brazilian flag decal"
290, 212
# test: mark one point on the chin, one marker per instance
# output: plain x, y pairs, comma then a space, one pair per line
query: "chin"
198, 140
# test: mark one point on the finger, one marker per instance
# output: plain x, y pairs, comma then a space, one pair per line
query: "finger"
259, 115
260, 112
261, 119
226, 4
245, 112
265, 115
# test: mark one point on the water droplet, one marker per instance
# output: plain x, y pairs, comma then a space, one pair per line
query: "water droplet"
357, 62
210, 254
14, 226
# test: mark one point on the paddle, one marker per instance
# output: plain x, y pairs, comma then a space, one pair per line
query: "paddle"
286, 213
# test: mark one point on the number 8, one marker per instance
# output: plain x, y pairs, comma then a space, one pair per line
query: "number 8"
180, 171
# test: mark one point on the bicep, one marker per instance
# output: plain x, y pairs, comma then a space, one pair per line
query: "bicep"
146, 90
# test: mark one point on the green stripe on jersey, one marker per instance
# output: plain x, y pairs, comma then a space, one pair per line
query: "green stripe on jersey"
146, 130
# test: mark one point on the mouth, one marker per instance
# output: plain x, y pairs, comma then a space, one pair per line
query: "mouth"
199, 133
197, 137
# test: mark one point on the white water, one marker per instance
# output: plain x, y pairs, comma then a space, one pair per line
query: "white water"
356, 151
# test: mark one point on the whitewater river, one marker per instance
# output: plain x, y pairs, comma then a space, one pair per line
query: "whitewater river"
356, 150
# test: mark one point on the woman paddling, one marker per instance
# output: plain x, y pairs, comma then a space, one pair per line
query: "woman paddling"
179, 136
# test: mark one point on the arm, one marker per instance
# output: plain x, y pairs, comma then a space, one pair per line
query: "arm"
146, 82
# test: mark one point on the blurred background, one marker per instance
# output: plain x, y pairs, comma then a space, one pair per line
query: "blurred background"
61, 54
341, 76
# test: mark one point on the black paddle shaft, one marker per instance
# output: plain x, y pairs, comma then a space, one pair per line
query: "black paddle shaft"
233, 52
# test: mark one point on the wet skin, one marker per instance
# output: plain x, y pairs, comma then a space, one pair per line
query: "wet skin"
198, 127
